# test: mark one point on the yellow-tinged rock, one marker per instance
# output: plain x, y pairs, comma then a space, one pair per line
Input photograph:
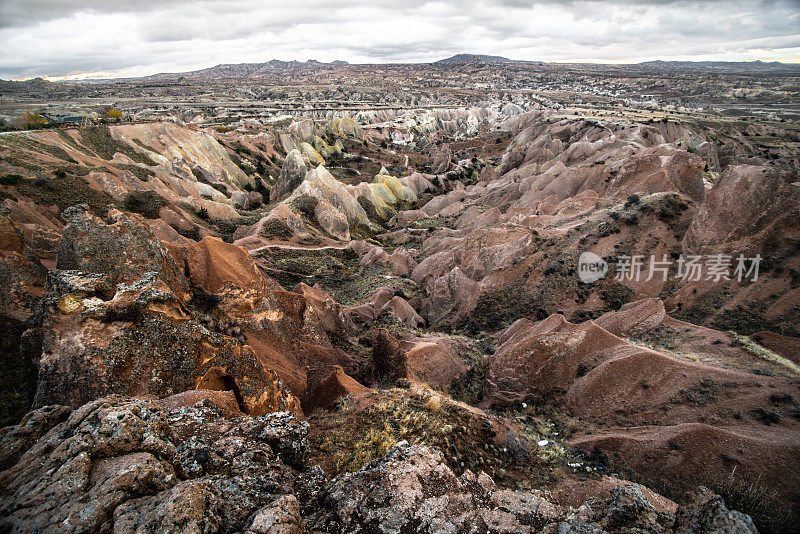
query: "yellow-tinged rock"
345, 126
384, 193
400, 192
313, 156
323, 148
369, 192
70, 303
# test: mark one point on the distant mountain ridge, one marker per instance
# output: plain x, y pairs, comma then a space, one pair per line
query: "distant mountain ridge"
739, 67
276, 66
475, 58
250, 69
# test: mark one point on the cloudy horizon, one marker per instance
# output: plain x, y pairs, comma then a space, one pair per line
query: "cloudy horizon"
93, 38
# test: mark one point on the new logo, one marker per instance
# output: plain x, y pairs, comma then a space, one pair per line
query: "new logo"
591, 267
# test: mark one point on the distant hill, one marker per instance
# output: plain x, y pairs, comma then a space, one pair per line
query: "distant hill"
27, 86
277, 68
246, 70
738, 67
474, 58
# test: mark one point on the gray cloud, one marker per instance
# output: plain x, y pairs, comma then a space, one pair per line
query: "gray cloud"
135, 38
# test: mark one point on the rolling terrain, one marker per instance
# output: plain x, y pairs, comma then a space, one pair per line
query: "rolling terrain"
353, 302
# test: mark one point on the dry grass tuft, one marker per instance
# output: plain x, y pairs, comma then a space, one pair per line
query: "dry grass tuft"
558, 473
433, 404
764, 353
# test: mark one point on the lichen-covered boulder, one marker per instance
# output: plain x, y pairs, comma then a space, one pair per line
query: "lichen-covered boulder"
124, 249
117, 322
126, 465
412, 489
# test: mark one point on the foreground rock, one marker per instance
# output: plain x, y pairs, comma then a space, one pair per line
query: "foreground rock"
126, 465
411, 489
113, 320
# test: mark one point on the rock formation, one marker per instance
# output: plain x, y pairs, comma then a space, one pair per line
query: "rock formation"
374, 321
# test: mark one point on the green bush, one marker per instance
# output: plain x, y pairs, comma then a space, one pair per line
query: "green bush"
10, 179
146, 203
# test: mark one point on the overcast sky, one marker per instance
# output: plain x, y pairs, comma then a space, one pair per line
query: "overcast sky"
106, 38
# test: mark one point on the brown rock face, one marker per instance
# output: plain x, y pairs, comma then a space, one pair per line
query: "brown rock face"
21, 274
452, 297
322, 310
139, 342
218, 379
22, 277
212, 264
326, 386
749, 210
388, 358
39, 228
288, 331
435, 361
384, 301
634, 318
120, 326
599, 375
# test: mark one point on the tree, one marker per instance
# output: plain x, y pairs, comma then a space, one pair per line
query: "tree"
28, 120
112, 113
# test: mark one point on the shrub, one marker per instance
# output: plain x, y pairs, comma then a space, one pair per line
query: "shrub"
43, 183
10, 179
145, 203
202, 213
305, 205
433, 404
670, 207
633, 200
757, 501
